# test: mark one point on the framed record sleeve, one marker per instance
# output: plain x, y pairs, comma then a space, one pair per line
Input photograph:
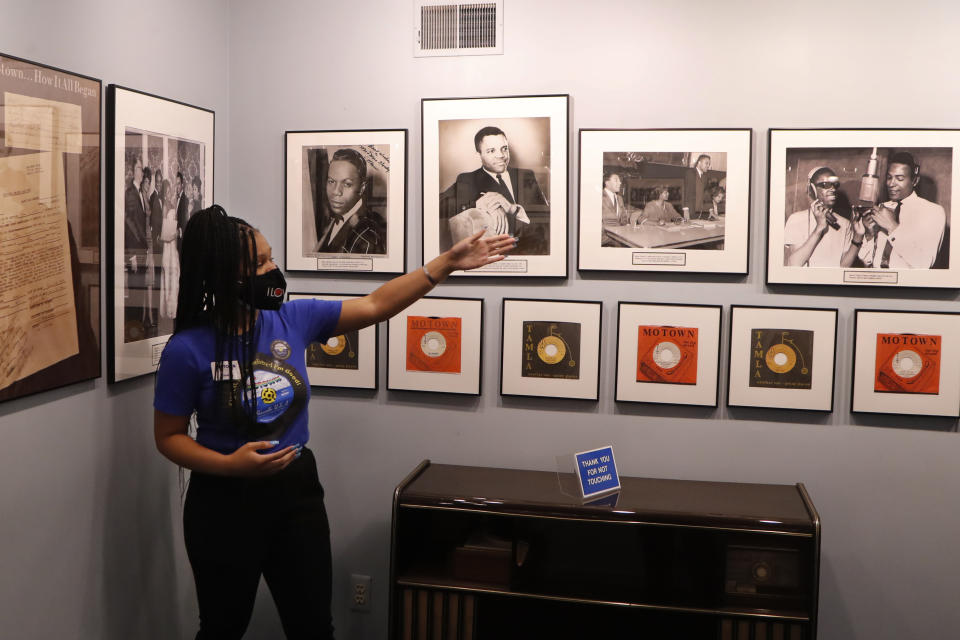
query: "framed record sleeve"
668, 353
435, 344
782, 358
550, 348
906, 362
347, 361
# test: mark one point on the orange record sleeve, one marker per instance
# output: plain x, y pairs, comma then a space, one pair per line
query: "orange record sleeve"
908, 363
667, 354
433, 344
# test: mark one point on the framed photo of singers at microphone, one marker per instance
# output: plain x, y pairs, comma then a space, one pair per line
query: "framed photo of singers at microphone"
906, 362
866, 207
346, 203
436, 344
668, 353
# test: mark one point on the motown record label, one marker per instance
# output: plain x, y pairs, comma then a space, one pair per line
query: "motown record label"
781, 358
667, 354
433, 344
551, 350
338, 352
908, 363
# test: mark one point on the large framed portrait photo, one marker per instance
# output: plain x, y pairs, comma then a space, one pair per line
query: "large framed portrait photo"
346, 200
869, 207
665, 200
160, 172
50, 221
498, 165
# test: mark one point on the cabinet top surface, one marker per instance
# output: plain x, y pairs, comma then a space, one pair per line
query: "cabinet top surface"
769, 507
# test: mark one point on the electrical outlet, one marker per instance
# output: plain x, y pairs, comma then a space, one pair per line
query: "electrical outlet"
359, 592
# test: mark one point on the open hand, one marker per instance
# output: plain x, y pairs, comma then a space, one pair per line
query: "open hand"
247, 461
477, 251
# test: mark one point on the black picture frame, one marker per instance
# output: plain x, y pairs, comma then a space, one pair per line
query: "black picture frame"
433, 381
374, 238
49, 344
181, 138
783, 397
671, 394
450, 182
539, 312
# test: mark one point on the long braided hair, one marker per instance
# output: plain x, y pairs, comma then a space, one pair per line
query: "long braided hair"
217, 261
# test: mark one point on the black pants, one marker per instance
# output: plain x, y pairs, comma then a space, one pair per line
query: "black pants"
237, 529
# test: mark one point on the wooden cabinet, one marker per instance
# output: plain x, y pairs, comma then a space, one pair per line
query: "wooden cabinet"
480, 553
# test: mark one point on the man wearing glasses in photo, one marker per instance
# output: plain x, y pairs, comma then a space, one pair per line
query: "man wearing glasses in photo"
818, 236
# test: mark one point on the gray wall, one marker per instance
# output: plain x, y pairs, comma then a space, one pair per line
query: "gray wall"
90, 526
90, 534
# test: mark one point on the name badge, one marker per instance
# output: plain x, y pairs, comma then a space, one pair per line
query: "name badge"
226, 369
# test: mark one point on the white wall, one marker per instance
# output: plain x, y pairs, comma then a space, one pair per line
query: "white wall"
884, 486
90, 525
90, 534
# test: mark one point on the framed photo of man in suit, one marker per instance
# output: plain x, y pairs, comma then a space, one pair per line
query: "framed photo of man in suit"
159, 173
498, 165
665, 200
346, 200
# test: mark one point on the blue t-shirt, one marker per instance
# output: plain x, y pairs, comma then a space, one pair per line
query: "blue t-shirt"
185, 381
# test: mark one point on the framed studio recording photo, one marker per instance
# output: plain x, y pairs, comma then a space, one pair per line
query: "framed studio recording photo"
159, 173
667, 200
668, 353
346, 361
435, 344
550, 348
49, 227
867, 207
498, 165
906, 362
346, 200
782, 357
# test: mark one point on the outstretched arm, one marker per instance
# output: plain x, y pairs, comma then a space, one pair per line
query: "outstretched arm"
399, 293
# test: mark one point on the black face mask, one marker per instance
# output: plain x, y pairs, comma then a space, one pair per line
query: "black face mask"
268, 290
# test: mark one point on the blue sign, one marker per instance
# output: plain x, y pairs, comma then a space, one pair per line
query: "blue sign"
597, 471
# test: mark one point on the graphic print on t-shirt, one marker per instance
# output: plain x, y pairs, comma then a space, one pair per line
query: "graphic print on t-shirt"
280, 395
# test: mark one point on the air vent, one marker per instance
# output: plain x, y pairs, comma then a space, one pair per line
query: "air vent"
442, 28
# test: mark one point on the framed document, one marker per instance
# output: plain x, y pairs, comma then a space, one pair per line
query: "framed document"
346, 200
782, 357
906, 362
346, 361
668, 353
160, 172
435, 344
869, 207
50, 220
550, 348
674, 200
498, 165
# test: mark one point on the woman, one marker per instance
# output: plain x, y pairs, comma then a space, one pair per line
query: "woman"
236, 359
657, 211
169, 258
717, 194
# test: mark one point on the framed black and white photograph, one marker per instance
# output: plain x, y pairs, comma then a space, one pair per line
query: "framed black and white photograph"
498, 165
346, 200
550, 348
345, 361
50, 221
869, 207
906, 362
782, 357
672, 200
435, 344
668, 353
159, 173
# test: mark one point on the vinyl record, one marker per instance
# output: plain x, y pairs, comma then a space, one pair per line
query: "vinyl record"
551, 350
334, 346
433, 344
338, 352
667, 354
907, 363
781, 358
